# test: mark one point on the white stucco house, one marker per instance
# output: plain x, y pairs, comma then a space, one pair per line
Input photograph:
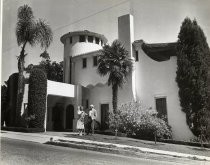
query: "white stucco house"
152, 81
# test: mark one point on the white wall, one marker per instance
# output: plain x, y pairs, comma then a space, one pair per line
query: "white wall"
60, 89
25, 98
87, 76
98, 95
155, 79
77, 48
74, 49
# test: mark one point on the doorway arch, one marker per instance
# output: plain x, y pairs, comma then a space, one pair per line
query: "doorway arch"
69, 117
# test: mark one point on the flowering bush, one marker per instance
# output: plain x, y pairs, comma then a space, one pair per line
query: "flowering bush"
136, 120
116, 121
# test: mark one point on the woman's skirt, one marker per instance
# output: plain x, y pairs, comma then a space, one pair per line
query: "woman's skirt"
80, 124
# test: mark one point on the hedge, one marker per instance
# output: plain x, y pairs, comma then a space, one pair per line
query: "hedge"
10, 108
37, 98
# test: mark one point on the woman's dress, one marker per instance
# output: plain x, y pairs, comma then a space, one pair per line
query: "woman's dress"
80, 121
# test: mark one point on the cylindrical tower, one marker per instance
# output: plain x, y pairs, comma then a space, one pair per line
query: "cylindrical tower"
78, 43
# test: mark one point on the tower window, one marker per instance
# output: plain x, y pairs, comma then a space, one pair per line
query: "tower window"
70, 40
95, 61
97, 40
137, 55
82, 38
90, 39
84, 62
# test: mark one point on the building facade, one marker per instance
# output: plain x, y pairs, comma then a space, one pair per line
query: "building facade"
152, 81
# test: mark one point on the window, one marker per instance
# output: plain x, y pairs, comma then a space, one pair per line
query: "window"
90, 39
84, 62
95, 61
82, 38
70, 40
102, 43
97, 40
137, 55
161, 107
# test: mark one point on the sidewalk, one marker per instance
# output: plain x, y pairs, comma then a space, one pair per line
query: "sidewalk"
77, 142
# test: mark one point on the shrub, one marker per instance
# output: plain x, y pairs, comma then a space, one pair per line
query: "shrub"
10, 109
141, 122
37, 98
4, 103
116, 122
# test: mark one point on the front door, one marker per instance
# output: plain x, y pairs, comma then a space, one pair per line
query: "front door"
57, 117
104, 116
69, 117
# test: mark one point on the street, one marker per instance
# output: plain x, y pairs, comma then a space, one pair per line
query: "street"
23, 152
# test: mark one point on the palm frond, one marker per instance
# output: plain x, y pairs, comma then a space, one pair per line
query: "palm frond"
44, 34
25, 13
115, 62
25, 25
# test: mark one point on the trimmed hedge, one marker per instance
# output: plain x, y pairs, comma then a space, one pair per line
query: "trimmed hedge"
10, 111
4, 103
37, 98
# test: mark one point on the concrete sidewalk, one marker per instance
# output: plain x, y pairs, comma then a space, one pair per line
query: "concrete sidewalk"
43, 138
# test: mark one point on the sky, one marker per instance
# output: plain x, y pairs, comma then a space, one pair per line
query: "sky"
155, 21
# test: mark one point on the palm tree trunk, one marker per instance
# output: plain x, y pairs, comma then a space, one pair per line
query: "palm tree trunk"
114, 98
21, 85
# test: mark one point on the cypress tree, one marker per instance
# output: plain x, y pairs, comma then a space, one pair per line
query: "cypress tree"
192, 73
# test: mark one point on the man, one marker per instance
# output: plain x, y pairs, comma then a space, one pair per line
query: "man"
93, 116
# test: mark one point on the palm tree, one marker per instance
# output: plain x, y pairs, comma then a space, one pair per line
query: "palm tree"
114, 61
32, 32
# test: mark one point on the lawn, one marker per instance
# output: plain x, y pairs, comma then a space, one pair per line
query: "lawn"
136, 142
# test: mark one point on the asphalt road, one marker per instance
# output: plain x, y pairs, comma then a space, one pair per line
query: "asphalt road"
22, 152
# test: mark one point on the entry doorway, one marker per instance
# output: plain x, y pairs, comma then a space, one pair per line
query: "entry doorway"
69, 117
57, 117
104, 116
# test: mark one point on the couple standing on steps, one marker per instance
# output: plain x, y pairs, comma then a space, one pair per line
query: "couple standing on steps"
92, 115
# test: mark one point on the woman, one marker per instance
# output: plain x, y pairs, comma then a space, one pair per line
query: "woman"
80, 122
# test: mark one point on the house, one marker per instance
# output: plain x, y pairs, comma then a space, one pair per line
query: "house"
152, 81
